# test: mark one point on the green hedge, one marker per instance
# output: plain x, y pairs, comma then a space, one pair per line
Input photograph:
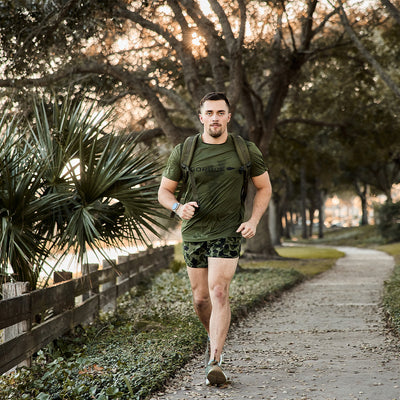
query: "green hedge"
389, 221
392, 299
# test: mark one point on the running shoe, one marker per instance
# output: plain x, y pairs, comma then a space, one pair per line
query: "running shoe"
214, 374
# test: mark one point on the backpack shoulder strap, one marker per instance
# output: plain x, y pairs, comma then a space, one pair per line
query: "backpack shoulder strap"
188, 149
242, 151
244, 157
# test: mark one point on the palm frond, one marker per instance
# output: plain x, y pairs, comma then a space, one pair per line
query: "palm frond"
69, 185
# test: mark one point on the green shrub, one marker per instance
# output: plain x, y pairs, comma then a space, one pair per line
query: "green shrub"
392, 299
389, 221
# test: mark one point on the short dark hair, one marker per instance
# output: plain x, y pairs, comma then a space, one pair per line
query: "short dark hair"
214, 96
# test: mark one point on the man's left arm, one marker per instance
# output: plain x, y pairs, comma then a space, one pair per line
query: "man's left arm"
261, 200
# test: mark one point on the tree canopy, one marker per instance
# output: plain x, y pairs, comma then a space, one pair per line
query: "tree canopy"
168, 54
309, 70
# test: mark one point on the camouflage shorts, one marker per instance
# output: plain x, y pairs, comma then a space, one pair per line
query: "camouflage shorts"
196, 253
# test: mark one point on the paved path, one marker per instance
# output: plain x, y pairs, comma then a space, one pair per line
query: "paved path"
326, 339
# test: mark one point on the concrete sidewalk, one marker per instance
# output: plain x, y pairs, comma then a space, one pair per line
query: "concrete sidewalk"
325, 339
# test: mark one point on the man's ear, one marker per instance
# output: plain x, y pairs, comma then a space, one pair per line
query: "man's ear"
201, 118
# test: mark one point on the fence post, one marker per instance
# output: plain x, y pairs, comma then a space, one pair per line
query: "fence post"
121, 260
13, 290
68, 302
110, 287
86, 270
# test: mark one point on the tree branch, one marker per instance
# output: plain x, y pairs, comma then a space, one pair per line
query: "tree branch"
290, 26
123, 12
226, 26
321, 26
182, 104
306, 29
183, 49
50, 23
393, 10
128, 78
215, 45
365, 53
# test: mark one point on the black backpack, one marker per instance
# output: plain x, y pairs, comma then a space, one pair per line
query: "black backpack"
187, 152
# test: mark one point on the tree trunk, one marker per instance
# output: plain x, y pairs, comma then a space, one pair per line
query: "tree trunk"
275, 225
311, 211
364, 218
303, 202
261, 245
362, 193
286, 232
321, 214
293, 220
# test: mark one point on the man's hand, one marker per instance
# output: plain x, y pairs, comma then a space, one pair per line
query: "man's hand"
260, 204
247, 229
187, 210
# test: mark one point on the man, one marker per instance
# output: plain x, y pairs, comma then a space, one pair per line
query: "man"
212, 225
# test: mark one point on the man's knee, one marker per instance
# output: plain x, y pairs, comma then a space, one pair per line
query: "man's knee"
220, 292
201, 302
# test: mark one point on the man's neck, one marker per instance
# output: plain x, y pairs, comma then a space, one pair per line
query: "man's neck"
206, 138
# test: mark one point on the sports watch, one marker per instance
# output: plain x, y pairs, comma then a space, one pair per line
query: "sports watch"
175, 207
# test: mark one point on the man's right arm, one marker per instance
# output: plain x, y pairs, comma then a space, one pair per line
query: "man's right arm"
166, 197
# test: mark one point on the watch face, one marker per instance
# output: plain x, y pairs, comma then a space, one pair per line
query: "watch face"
175, 206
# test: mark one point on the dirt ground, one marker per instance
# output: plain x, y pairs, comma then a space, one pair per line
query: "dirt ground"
325, 339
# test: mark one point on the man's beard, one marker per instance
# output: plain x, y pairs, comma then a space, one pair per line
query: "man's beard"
215, 133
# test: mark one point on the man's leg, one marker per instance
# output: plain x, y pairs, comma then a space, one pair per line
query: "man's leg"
220, 274
201, 296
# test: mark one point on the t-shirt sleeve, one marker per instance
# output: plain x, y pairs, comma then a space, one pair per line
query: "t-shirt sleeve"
258, 166
173, 169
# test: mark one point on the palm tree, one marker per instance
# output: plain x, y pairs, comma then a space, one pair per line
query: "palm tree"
21, 208
70, 183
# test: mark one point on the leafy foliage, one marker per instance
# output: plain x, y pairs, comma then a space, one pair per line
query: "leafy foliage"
70, 183
132, 353
23, 204
391, 295
389, 221
391, 299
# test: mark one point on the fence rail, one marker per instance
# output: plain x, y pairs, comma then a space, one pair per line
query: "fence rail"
51, 312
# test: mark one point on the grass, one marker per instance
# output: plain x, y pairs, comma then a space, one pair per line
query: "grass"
393, 249
391, 296
308, 253
362, 236
309, 261
132, 353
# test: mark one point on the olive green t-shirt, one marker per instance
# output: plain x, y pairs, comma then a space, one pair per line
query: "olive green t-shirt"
219, 183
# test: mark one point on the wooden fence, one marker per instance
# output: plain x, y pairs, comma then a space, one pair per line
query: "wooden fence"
47, 314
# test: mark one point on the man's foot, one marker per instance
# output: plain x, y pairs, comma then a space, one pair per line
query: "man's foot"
214, 374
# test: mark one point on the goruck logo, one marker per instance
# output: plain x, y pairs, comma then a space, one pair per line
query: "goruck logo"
211, 169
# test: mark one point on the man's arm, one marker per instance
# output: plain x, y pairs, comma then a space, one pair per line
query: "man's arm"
261, 200
166, 197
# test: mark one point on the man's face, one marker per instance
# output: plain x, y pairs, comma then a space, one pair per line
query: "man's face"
215, 117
